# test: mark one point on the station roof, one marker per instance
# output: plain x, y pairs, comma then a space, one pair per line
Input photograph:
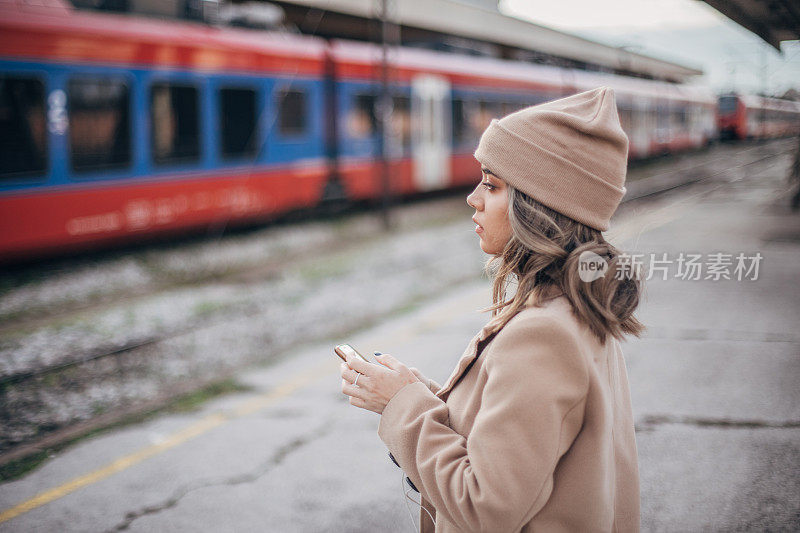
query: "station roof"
772, 20
480, 21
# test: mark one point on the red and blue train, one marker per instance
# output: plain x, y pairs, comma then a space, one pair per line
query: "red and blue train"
115, 127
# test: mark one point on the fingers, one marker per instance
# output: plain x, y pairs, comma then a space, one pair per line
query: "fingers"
358, 402
389, 361
370, 406
359, 365
348, 374
354, 391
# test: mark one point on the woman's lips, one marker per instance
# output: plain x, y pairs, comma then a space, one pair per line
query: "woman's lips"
478, 227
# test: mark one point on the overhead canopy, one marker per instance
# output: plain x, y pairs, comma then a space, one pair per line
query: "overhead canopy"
480, 19
772, 20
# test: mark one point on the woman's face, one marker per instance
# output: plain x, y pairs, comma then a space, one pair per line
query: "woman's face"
490, 201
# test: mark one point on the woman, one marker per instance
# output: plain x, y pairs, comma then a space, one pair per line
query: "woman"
533, 431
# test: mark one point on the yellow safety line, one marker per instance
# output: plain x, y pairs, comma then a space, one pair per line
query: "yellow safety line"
196, 429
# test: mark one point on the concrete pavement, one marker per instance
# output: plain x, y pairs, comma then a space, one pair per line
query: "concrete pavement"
714, 382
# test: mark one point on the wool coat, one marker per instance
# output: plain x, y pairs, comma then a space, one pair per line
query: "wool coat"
533, 431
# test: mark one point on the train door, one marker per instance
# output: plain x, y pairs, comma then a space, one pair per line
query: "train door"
430, 134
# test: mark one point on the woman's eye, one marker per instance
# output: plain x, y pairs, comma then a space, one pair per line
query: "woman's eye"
488, 186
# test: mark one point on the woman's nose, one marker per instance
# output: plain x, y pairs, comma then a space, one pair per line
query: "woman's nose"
471, 199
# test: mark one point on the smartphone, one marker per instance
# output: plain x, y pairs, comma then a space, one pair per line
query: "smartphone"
343, 350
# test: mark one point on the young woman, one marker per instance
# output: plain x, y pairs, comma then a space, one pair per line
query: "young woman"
533, 431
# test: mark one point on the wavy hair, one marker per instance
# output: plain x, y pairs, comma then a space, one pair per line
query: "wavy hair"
543, 253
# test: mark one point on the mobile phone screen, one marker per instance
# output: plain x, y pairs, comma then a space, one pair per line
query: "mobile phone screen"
343, 350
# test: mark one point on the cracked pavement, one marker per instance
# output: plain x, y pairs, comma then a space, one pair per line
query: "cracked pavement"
280, 454
714, 386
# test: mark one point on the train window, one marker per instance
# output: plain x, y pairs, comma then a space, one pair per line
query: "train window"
237, 120
459, 121
401, 121
663, 118
362, 122
470, 125
99, 128
510, 107
727, 104
292, 112
23, 127
175, 123
486, 112
678, 117
691, 116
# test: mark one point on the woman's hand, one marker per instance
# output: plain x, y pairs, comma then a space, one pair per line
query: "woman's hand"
377, 384
419, 375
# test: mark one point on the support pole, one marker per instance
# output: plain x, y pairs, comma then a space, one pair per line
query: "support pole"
384, 118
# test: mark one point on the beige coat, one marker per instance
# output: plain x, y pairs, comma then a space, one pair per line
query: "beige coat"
536, 436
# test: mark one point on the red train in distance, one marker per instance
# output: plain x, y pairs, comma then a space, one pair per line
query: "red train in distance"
756, 117
114, 128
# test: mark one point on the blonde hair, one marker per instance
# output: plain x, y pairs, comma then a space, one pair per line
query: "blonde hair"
542, 254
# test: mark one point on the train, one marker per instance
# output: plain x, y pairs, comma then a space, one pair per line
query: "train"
114, 128
741, 117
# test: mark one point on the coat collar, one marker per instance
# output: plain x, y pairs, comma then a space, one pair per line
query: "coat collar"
467, 358
471, 352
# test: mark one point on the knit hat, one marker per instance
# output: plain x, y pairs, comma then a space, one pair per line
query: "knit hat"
569, 154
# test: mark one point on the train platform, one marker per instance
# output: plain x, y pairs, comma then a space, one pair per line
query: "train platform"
713, 382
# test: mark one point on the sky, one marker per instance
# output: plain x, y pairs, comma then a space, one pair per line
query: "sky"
687, 32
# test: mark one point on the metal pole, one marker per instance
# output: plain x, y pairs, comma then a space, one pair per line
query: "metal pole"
763, 89
384, 108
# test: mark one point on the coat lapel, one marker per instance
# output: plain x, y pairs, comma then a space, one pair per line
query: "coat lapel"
550, 295
468, 356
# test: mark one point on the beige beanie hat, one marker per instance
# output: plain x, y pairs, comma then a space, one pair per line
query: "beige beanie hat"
569, 154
